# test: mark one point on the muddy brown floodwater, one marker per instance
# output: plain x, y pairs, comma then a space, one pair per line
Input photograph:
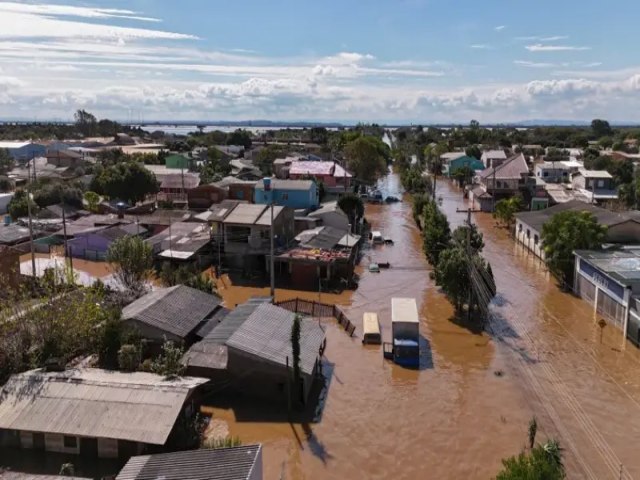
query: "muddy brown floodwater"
455, 417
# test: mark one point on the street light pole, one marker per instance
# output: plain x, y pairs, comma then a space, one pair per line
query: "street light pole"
272, 262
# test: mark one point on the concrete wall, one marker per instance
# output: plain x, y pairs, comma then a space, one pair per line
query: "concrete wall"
151, 333
526, 236
285, 197
256, 471
333, 219
55, 443
92, 243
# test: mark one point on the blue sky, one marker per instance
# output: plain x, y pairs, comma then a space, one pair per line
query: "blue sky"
349, 60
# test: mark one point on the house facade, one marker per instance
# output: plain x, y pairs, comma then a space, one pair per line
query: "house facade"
493, 158
451, 166
203, 196
503, 181
296, 194
599, 184
331, 174
552, 172
94, 243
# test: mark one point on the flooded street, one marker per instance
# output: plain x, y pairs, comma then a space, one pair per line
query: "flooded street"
453, 418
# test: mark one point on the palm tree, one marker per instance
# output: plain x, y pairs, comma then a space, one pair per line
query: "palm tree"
554, 452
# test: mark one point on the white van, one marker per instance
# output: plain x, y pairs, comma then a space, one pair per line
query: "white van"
371, 328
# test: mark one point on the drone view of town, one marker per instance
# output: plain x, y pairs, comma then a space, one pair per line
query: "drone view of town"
293, 241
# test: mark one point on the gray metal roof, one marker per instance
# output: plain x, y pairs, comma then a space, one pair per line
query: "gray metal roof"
265, 218
177, 310
621, 265
514, 167
236, 463
236, 317
266, 334
90, 402
10, 475
212, 322
326, 238
605, 217
13, 233
245, 214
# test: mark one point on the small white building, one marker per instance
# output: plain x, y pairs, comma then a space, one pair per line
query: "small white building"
331, 215
493, 158
552, 172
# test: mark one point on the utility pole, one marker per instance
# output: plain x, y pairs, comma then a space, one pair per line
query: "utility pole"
64, 231
33, 253
493, 192
469, 259
272, 261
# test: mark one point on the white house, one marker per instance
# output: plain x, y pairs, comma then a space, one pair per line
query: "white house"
493, 158
552, 172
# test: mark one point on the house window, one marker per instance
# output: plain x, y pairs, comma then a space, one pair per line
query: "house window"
70, 442
528, 233
535, 239
600, 183
285, 196
519, 227
545, 174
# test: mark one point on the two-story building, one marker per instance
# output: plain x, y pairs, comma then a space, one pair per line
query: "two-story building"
450, 166
503, 181
552, 172
598, 184
296, 194
493, 158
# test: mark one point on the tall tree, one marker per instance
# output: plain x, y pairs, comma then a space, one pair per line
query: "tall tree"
6, 161
295, 350
367, 158
126, 181
86, 122
476, 241
352, 205
506, 210
18, 207
452, 275
563, 234
601, 128
436, 232
132, 259
544, 462
239, 137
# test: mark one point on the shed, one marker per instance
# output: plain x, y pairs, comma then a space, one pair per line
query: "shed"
175, 312
236, 463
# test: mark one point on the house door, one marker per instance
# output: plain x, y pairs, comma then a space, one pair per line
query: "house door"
38, 441
89, 447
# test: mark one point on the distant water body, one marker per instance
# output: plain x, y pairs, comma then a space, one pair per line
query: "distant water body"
185, 129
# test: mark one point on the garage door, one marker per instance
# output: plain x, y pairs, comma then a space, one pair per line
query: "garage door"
610, 309
586, 289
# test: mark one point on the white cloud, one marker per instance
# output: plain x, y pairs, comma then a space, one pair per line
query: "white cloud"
539, 47
59, 10
499, 28
528, 64
543, 39
481, 46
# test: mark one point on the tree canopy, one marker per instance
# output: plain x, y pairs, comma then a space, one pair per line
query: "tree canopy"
6, 161
563, 234
506, 210
132, 259
18, 206
543, 462
239, 137
367, 158
126, 181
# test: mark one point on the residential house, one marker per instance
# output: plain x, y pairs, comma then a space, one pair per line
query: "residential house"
184, 242
23, 151
203, 196
175, 313
622, 227
178, 161
493, 158
67, 158
503, 181
236, 188
92, 244
597, 183
552, 172
244, 169
296, 194
462, 161
208, 357
9, 266
15, 234
259, 353
93, 412
332, 175
247, 233
608, 280
5, 198
331, 215
281, 166
235, 463
176, 186
322, 256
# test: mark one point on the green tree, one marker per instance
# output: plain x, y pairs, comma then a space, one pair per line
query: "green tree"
352, 205
239, 137
476, 241
436, 232
132, 260
54, 193
601, 128
92, 199
129, 358
367, 158
473, 151
18, 207
464, 175
543, 462
506, 210
452, 275
6, 161
533, 430
266, 156
109, 343
295, 350
563, 234
86, 123
126, 181
169, 362
419, 202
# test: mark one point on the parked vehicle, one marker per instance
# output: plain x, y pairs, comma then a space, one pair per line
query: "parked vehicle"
371, 329
376, 237
374, 268
405, 332
391, 199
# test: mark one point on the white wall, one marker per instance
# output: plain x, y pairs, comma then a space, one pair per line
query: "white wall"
55, 443
529, 240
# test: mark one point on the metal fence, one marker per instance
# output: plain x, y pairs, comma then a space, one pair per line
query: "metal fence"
317, 309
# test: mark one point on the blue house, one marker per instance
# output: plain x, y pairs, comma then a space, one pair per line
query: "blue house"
464, 161
295, 194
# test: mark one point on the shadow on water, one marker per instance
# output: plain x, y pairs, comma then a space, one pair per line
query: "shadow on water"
473, 325
426, 354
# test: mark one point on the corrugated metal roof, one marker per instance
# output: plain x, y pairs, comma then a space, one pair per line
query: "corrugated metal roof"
138, 406
9, 475
266, 334
177, 310
515, 167
287, 184
245, 214
236, 317
236, 463
265, 218
326, 238
536, 219
13, 233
